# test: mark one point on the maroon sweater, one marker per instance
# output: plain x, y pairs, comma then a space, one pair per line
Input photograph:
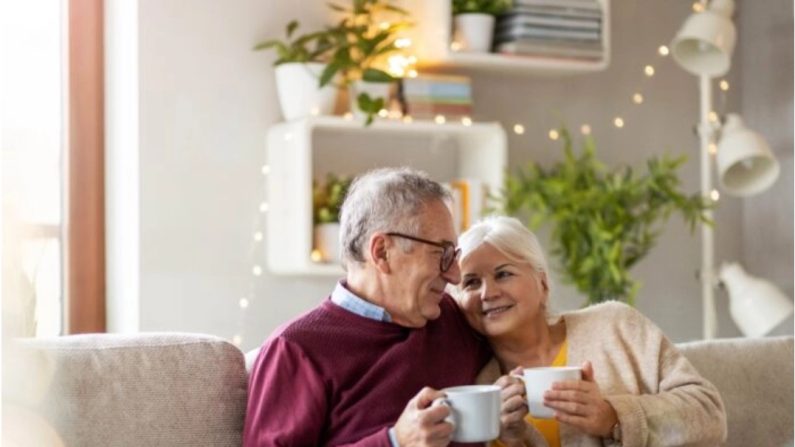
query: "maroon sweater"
332, 377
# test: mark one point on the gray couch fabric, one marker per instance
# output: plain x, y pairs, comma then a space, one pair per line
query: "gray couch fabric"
755, 379
145, 390
190, 390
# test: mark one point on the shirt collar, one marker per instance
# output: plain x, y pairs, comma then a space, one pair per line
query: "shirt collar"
349, 301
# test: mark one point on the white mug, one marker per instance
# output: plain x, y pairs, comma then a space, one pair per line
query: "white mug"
474, 412
538, 380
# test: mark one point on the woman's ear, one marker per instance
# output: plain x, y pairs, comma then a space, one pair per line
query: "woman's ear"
379, 251
544, 283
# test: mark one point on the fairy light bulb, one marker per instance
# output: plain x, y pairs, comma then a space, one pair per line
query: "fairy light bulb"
663, 50
585, 129
316, 256
698, 7
266, 169
714, 195
263, 207
618, 122
554, 134
440, 119
518, 129
407, 119
724, 85
648, 70
713, 117
383, 113
256, 270
467, 121
637, 98
258, 236
712, 148
243, 303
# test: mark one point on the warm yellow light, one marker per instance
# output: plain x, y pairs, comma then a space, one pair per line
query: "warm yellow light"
412, 73
403, 42
258, 236
663, 50
383, 113
243, 303
518, 129
714, 195
698, 7
266, 169
263, 207
455, 46
384, 25
440, 119
256, 270
713, 117
724, 85
407, 119
316, 256
712, 148
467, 121
395, 114
618, 122
554, 134
348, 116
649, 70
412, 59
637, 98
585, 129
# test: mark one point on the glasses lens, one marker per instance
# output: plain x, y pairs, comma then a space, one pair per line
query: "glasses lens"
448, 257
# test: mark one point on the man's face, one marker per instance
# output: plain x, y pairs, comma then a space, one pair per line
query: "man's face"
416, 283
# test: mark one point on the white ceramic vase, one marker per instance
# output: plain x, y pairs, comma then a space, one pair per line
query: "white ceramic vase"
474, 32
298, 91
327, 241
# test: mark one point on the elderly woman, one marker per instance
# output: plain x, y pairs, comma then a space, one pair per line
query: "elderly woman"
636, 390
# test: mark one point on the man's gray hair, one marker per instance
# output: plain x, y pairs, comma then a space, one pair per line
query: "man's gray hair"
386, 199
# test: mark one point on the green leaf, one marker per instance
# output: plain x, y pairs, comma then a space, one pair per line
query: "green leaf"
291, 27
328, 74
375, 75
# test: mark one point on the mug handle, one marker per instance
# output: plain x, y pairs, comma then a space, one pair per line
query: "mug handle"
443, 401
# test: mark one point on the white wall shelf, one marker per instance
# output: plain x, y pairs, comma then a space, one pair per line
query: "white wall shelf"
432, 38
303, 150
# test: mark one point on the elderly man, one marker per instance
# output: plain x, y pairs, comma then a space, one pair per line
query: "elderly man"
364, 367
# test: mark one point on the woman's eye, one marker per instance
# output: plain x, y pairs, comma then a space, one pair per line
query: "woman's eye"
503, 274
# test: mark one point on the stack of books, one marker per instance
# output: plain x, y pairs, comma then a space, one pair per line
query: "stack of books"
562, 29
426, 96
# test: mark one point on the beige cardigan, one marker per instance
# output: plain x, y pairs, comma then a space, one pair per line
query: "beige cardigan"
660, 398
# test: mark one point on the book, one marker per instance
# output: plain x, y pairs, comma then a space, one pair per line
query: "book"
593, 5
550, 33
521, 20
553, 11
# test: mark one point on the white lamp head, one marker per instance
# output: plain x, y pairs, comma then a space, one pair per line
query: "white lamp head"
756, 305
746, 164
704, 44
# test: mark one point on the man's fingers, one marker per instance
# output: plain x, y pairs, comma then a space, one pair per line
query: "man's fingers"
426, 396
432, 416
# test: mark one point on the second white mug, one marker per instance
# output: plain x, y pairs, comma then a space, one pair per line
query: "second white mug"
538, 380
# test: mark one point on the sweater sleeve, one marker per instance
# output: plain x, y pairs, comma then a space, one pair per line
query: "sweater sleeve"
286, 398
686, 409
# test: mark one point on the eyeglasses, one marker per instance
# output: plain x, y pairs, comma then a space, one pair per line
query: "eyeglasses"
449, 250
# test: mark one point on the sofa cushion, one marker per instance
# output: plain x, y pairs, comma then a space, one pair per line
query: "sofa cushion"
755, 379
145, 390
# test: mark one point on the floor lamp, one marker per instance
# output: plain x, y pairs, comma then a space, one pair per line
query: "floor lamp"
703, 46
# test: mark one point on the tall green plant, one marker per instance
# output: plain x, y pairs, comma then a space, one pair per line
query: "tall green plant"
298, 48
603, 220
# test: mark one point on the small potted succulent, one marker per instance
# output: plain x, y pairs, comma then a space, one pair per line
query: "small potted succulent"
364, 38
474, 23
298, 68
327, 200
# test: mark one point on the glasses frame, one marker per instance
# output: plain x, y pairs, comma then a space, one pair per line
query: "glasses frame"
449, 251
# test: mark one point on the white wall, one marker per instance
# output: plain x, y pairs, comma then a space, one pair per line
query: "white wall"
206, 100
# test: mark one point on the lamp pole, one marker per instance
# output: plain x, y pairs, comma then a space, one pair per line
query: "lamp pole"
706, 131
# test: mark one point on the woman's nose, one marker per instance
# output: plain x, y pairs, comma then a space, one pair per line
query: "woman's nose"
488, 290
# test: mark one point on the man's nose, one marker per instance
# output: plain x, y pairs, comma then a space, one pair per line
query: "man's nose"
453, 275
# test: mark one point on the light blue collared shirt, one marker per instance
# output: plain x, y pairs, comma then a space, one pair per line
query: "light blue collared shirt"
347, 300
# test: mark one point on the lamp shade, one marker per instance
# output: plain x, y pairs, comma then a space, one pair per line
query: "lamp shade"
704, 44
746, 164
756, 305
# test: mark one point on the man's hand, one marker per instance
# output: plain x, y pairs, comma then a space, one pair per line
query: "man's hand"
513, 409
421, 424
580, 403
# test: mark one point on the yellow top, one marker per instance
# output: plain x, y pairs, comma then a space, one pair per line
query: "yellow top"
547, 427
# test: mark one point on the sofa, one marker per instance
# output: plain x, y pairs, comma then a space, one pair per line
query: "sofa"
190, 390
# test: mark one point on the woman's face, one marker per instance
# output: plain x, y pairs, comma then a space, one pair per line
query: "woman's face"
500, 295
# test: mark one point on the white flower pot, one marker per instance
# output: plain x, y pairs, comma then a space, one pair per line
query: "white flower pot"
298, 91
327, 241
474, 31
374, 89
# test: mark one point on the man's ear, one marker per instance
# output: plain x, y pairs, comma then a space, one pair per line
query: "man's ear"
379, 251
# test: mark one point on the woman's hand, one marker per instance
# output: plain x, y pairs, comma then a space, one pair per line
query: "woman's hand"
580, 403
513, 409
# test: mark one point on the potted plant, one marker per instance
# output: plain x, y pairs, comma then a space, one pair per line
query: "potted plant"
298, 68
362, 41
327, 200
603, 221
474, 23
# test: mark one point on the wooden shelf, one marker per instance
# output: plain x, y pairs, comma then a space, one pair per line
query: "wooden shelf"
434, 26
304, 150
